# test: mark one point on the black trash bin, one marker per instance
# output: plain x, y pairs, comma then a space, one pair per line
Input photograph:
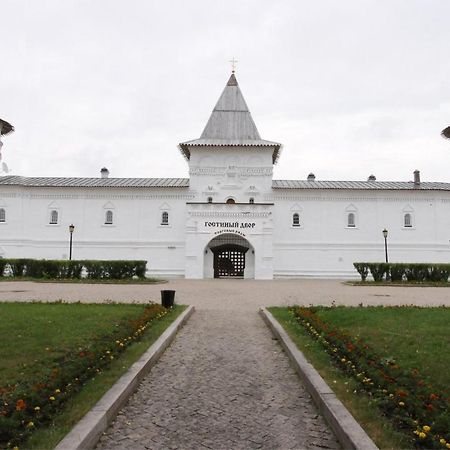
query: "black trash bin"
167, 298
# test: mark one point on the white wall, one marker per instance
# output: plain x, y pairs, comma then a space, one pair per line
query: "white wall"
324, 246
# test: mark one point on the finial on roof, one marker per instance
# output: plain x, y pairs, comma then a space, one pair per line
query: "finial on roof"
233, 64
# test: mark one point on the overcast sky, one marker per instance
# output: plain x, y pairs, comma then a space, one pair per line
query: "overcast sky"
349, 88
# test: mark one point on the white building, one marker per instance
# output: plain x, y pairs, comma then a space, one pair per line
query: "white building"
229, 218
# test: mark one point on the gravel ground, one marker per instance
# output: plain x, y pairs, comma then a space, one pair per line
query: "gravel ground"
243, 295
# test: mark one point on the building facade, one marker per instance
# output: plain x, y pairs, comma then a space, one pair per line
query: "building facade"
229, 218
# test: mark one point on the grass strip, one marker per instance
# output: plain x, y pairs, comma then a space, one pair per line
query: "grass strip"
98, 368
380, 429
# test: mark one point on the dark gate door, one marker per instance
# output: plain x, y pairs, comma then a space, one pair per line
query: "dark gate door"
229, 261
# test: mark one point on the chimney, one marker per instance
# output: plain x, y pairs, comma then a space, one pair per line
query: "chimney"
372, 178
104, 172
416, 178
311, 177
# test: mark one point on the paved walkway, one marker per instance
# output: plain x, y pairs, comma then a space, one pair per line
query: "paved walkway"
223, 384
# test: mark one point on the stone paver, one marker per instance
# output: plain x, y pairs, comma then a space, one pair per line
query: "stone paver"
223, 384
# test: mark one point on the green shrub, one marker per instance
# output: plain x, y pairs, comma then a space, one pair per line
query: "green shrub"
3, 263
418, 272
397, 272
378, 270
363, 270
61, 269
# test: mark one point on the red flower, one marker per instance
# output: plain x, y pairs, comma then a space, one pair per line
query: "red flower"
20, 405
429, 407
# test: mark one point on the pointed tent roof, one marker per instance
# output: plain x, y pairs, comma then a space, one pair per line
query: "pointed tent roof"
5, 127
230, 124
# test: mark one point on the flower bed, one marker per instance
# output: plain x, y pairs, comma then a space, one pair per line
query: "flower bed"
31, 403
403, 396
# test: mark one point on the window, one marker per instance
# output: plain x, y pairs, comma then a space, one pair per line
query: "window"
230, 201
165, 218
351, 220
251, 200
408, 220
295, 220
109, 217
2, 215
209, 199
54, 217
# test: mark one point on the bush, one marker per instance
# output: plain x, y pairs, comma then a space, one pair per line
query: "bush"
3, 263
378, 270
62, 269
363, 270
419, 272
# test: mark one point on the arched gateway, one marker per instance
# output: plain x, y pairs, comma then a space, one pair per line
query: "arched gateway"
233, 256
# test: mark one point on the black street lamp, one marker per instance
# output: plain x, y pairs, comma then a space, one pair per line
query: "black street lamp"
71, 228
446, 133
385, 235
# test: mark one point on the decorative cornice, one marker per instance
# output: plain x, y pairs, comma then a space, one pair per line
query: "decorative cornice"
238, 170
228, 214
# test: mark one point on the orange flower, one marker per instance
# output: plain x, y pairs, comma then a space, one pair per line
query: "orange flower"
20, 405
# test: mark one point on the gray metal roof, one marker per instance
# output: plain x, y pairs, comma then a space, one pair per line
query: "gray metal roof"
364, 185
5, 127
12, 180
94, 182
231, 124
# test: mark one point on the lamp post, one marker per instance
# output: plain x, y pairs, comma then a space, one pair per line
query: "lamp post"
71, 228
385, 235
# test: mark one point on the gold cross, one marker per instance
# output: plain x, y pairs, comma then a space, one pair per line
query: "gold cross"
233, 64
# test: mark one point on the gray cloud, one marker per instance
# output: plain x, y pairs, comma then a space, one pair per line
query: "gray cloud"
349, 88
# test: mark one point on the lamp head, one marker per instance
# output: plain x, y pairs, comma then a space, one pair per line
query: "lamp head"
385, 233
71, 228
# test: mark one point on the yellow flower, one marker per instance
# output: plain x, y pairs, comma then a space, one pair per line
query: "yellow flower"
422, 435
30, 425
52, 398
442, 441
401, 403
426, 428
37, 408
15, 448
447, 445
57, 391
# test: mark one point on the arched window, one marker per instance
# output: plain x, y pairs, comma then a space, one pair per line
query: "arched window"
408, 220
251, 200
54, 217
230, 201
109, 217
295, 220
2, 215
165, 218
209, 199
351, 220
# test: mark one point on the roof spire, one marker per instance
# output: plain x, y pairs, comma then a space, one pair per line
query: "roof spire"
233, 64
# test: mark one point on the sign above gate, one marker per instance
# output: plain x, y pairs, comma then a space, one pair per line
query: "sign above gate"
233, 225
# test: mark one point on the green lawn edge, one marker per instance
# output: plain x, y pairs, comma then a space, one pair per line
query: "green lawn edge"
83, 401
378, 428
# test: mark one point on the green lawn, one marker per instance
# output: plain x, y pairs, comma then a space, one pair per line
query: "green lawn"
34, 335
413, 337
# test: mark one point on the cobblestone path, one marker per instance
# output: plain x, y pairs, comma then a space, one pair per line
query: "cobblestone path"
223, 384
